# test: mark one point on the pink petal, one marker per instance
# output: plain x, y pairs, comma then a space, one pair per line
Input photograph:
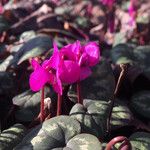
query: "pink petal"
72, 51
69, 72
55, 58
35, 64
38, 78
85, 72
93, 52
57, 85
84, 60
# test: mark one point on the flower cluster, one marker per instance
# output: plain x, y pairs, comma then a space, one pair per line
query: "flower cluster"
68, 65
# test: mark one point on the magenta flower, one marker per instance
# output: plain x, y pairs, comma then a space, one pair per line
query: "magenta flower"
86, 56
56, 71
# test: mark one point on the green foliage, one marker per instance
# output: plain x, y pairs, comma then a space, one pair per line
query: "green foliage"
121, 115
11, 137
53, 133
29, 105
140, 141
140, 103
92, 115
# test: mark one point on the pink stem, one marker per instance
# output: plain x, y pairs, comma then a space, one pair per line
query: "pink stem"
42, 111
59, 104
79, 93
126, 145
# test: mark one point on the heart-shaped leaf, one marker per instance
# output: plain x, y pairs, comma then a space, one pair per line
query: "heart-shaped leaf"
53, 133
140, 140
140, 103
101, 84
92, 115
29, 105
32, 48
27, 35
84, 142
122, 54
121, 116
11, 137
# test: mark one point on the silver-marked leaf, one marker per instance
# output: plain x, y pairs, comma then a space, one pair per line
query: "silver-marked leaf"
11, 137
84, 142
122, 54
32, 48
121, 116
27, 35
53, 133
140, 103
140, 141
29, 105
92, 115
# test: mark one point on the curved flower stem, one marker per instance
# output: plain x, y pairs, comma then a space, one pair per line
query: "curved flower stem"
79, 93
126, 145
59, 104
42, 111
121, 78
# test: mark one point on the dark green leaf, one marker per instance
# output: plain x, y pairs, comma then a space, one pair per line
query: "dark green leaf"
92, 115
121, 115
53, 133
34, 47
140, 140
142, 55
101, 84
84, 142
7, 83
29, 105
11, 137
140, 102
122, 54
3, 24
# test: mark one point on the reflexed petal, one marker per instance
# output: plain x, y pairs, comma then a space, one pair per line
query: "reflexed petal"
84, 60
38, 78
55, 58
93, 52
69, 72
57, 85
85, 72
72, 50
35, 64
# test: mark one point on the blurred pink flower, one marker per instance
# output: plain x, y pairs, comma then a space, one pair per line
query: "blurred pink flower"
132, 12
108, 2
1, 9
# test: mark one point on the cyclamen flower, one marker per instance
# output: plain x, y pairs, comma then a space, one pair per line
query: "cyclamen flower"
86, 56
55, 71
